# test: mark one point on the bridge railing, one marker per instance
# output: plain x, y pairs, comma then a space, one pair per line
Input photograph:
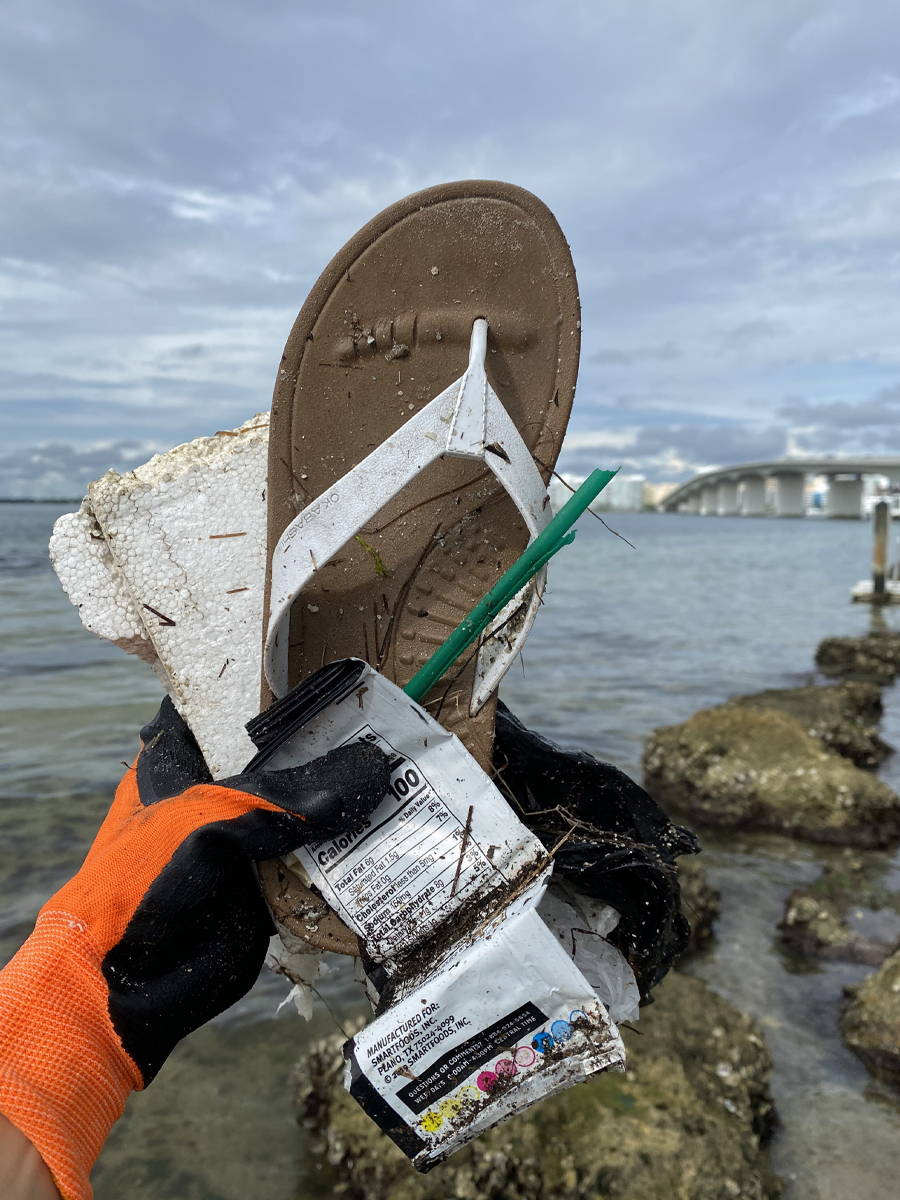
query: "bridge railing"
780, 489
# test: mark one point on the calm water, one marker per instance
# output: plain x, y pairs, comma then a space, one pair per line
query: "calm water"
629, 639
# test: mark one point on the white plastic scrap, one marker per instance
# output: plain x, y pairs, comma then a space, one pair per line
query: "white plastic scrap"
582, 925
291, 956
182, 563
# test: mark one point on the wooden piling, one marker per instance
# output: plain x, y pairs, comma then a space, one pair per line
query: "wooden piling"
880, 549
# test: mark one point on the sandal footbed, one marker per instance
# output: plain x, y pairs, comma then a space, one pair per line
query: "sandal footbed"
384, 330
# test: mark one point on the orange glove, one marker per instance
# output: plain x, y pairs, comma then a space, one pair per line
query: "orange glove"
162, 928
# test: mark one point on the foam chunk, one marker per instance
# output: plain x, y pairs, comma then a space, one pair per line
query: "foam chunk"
185, 541
95, 585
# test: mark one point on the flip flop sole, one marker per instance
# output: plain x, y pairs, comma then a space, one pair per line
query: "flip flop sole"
384, 330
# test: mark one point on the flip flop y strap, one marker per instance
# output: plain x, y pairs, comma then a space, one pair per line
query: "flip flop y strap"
467, 420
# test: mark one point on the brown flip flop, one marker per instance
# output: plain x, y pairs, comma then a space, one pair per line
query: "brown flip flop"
389, 327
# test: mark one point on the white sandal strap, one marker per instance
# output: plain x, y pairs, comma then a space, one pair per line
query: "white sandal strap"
466, 420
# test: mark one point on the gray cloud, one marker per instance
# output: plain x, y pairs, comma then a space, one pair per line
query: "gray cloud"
672, 452
174, 176
58, 471
663, 353
881, 413
755, 330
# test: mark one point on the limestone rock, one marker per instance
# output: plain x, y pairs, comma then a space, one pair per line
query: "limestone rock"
843, 716
846, 914
733, 767
871, 1024
689, 1119
875, 656
817, 927
700, 901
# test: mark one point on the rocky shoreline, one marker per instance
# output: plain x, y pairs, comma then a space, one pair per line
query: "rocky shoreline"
847, 914
699, 902
874, 656
780, 760
844, 718
870, 1024
692, 1115
799, 761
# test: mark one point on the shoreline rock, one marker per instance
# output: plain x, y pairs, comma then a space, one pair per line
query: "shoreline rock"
816, 920
700, 902
843, 716
870, 1026
734, 767
874, 656
689, 1118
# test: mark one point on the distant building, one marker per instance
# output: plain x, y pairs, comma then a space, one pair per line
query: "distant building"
877, 488
624, 493
656, 493
561, 491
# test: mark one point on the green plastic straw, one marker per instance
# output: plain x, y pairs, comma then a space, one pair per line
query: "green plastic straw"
541, 550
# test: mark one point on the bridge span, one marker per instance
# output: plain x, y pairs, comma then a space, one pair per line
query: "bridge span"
741, 490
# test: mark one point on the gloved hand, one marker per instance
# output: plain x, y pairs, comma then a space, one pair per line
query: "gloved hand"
612, 840
162, 928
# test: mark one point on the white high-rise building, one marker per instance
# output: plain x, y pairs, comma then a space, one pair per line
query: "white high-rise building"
623, 493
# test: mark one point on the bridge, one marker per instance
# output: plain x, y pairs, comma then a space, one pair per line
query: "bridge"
740, 491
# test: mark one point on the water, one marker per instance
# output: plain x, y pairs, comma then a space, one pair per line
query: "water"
628, 639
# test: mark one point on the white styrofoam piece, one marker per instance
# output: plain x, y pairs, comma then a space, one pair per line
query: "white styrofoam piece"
95, 585
187, 531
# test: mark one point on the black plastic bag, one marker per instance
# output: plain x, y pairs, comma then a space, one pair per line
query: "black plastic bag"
608, 838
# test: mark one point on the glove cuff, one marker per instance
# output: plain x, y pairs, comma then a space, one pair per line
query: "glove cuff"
64, 1076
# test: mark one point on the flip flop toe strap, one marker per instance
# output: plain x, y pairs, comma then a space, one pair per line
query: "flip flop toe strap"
467, 420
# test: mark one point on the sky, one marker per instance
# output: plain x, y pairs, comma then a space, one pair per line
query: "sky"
174, 176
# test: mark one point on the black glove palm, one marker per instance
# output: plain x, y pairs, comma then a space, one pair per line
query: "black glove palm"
198, 934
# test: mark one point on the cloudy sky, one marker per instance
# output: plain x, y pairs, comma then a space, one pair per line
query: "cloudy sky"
174, 175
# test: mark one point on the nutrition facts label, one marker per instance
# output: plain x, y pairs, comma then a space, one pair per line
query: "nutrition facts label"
403, 871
